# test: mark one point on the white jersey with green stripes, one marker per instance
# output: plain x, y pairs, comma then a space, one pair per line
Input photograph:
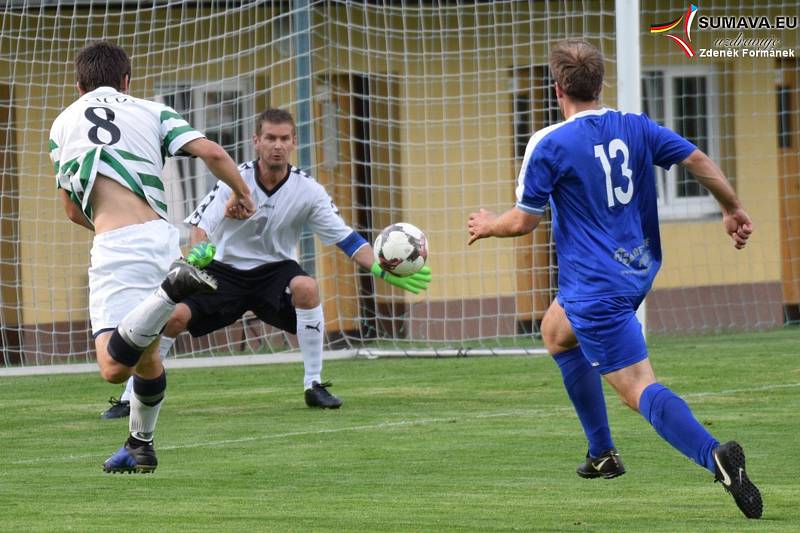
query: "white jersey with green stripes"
124, 138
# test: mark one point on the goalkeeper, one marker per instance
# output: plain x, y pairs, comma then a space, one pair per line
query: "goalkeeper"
256, 259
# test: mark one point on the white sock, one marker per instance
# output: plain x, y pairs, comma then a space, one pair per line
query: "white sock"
143, 419
164, 346
126, 396
310, 332
143, 324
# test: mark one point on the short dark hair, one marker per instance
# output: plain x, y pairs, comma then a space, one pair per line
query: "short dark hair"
102, 64
578, 68
274, 116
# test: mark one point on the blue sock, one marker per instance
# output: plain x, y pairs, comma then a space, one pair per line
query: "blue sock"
585, 389
674, 421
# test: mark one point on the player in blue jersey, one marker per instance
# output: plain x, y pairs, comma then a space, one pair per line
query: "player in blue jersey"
596, 171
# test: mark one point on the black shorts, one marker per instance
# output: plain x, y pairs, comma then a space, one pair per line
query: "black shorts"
263, 290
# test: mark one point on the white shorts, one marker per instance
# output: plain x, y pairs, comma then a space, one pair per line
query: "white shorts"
128, 265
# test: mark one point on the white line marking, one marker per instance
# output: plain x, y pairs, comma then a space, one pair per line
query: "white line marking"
737, 391
255, 438
388, 424
275, 358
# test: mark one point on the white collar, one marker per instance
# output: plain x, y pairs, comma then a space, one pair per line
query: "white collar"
105, 89
588, 112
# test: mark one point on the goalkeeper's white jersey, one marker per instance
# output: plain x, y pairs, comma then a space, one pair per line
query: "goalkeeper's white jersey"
273, 232
121, 137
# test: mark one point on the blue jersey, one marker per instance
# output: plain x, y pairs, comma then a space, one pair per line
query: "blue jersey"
596, 168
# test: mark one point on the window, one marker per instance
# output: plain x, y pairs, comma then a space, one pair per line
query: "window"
224, 112
522, 123
680, 99
535, 104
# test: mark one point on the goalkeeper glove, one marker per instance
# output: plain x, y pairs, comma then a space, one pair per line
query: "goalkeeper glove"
201, 254
414, 283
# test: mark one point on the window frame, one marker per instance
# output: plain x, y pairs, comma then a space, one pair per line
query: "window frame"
670, 205
201, 180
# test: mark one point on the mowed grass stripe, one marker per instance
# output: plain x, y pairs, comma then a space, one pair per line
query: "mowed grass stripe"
531, 413
473, 444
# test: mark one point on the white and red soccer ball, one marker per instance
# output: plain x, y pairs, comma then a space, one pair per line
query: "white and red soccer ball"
401, 249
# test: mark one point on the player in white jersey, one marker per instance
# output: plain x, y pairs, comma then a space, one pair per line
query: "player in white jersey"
256, 259
108, 149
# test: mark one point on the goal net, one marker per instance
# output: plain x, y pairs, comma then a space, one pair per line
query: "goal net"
415, 111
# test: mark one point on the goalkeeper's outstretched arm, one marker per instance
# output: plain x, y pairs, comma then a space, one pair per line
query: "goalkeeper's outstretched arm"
364, 257
415, 283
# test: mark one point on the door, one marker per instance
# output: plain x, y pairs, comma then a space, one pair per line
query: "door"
535, 107
358, 165
9, 233
788, 96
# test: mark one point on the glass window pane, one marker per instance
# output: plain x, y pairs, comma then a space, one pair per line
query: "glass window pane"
224, 121
653, 107
522, 123
553, 111
653, 95
691, 121
224, 114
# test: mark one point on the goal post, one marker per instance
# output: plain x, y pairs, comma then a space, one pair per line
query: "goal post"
629, 72
417, 112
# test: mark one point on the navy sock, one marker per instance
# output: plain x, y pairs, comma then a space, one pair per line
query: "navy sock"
585, 389
674, 421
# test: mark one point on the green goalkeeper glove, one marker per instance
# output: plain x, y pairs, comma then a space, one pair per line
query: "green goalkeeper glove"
414, 283
201, 254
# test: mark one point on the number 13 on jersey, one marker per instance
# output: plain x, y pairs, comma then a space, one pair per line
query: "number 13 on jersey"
614, 148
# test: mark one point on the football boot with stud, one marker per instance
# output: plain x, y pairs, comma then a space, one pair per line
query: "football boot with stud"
132, 459
118, 409
730, 471
608, 466
184, 279
318, 396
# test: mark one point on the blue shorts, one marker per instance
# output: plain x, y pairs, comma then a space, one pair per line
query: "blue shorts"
609, 333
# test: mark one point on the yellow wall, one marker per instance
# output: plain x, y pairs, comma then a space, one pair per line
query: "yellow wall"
458, 137
455, 129
53, 251
698, 252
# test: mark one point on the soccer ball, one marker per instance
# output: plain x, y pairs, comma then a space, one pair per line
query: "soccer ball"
401, 249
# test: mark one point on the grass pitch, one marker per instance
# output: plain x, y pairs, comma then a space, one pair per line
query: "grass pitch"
470, 444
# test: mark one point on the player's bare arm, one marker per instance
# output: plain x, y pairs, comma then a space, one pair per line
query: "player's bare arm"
197, 235
364, 257
74, 212
512, 223
735, 219
222, 166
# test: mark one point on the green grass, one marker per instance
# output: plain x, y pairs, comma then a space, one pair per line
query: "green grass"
470, 444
